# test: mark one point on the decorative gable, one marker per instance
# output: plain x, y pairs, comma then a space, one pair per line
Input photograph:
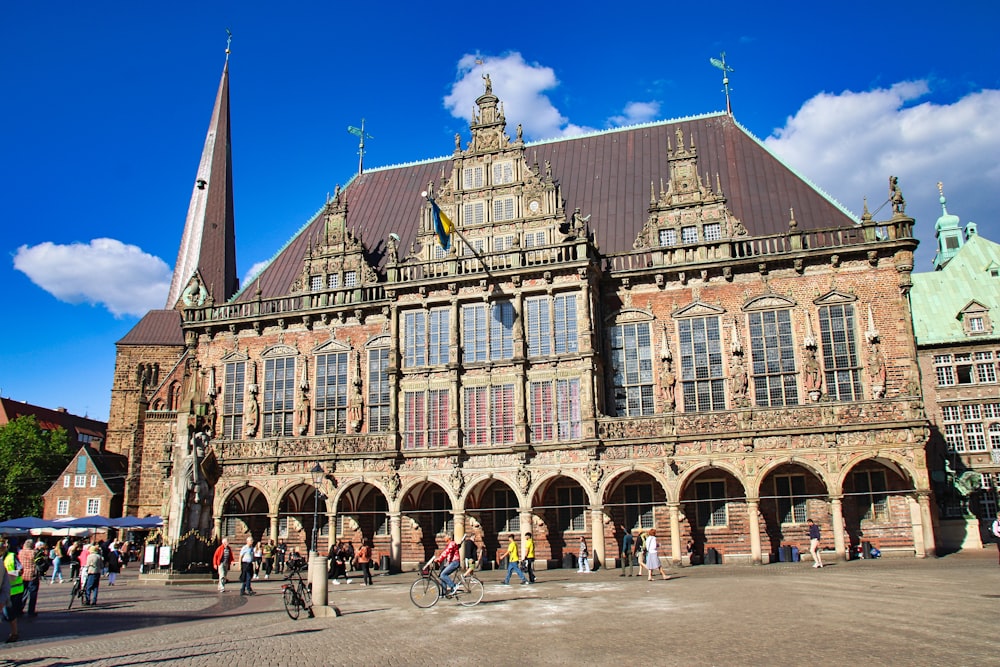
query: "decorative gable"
697, 309
834, 297
975, 319
768, 302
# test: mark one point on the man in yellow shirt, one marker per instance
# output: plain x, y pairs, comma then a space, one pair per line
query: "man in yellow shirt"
528, 547
513, 563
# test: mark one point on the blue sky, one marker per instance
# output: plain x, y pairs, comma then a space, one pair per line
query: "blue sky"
106, 105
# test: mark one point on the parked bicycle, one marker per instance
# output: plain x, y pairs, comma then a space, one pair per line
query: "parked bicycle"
428, 588
296, 592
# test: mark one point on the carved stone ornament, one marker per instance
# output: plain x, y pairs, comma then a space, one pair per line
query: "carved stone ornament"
457, 480
393, 483
523, 479
595, 473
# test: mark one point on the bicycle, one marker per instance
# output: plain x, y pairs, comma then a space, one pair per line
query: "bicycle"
296, 593
428, 588
76, 592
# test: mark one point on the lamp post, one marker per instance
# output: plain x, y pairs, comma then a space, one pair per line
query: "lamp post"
317, 473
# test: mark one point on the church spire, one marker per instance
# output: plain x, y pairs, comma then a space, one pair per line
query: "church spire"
208, 247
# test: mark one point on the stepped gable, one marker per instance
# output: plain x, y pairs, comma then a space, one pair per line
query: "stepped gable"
607, 175
157, 327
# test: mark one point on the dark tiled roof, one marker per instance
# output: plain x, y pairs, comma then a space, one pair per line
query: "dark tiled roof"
49, 419
607, 175
157, 327
112, 467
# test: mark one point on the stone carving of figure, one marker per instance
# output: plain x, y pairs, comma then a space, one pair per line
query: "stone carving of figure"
355, 404
523, 479
738, 380
192, 396
810, 374
252, 416
457, 480
305, 410
668, 381
489, 84
392, 250
520, 132
458, 141
210, 416
876, 372
896, 196
191, 490
579, 222
393, 483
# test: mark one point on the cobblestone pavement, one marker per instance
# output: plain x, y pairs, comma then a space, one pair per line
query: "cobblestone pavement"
886, 612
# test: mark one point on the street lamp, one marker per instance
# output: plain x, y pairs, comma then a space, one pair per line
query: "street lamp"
317, 473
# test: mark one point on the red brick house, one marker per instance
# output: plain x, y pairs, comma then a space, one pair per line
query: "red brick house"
92, 484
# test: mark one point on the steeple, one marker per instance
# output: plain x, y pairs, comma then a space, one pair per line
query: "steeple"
948, 233
206, 261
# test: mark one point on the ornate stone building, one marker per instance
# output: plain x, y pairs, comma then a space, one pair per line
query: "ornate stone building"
659, 325
958, 346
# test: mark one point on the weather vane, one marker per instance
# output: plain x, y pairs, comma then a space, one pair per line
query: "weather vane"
362, 135
726, 69
229, 40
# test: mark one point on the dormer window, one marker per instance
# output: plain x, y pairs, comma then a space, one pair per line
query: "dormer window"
975, 319
333, 281
668, 237
503, 209
976, 325
316, 283
503, 173
473, 213
689, 235
713, 231
472, 177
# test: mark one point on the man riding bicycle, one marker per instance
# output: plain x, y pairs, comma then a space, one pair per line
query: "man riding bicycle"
450, 558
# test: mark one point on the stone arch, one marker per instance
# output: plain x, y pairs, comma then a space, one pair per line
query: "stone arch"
362, 510
560, 502
636, 499
427, 508
879, 504
714, 511
244, 512
790, 490
492, 507
301, 516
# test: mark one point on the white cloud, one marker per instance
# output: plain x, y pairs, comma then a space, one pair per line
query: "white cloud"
254, 270
521, 86
850, 143
126, 280
637, 112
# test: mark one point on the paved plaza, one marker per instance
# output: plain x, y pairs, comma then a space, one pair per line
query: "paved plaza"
886, 612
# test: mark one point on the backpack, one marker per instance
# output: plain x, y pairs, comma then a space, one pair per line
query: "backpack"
42, 563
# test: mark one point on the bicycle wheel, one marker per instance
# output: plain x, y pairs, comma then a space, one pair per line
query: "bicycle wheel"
305, 597
472, 594
424, 592
292, 603
75, 593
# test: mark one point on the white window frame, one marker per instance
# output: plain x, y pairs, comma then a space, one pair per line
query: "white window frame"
504, 209
66, 481
62, 507
93, 506
668, 237
473, 213
712, 231
503, 172
93, 481
80, 481
473, 177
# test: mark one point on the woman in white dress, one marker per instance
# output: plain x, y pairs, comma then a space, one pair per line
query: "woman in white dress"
653, 556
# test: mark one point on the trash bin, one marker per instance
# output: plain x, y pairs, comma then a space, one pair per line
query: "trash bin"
384, 564
796, 556
569, 561
866, 549
711, 556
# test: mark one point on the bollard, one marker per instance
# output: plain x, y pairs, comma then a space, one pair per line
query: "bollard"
320, 587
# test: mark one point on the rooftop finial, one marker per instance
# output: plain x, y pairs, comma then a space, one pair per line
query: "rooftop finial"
229, 40
361, 134
726, 69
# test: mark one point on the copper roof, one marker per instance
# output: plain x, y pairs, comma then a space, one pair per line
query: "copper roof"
607, 175
157, 327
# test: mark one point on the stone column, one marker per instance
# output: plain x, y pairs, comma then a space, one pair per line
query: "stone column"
675, 532
837, 519
396, 540
596, 538
754, 523
459, 525
923, 528
331, 529
273, 531
525, 517
217, 521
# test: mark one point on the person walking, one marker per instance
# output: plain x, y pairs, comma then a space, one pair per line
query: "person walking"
814, 543
653, 556
628, 547
364, 560
996, 533
14, 586
114, 564
222, 560
279, 557
640, 551
29, 573
93, 570
246, 568
470, 554
267, 550
584, 557
529, 557
74, 559
57, 554
513, 564
258, 559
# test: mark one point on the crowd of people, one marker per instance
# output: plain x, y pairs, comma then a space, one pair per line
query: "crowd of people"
28, 564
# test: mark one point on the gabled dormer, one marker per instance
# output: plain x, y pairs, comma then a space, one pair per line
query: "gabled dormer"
975, 319
687, 210
493, 196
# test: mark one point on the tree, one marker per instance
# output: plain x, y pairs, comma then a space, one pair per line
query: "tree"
31, 459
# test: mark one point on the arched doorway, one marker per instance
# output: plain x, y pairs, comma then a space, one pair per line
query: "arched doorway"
427, 522
245, 514
493, 513
715, 516
790, 494
363, 513
878, 494
564, 508
298, 512
635, 501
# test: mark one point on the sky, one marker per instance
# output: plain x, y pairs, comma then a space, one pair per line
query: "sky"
106, 106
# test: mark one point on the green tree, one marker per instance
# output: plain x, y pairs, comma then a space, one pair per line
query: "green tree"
31, 458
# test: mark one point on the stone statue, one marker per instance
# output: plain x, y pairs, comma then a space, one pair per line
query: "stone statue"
190, 507
896, 196
458, 141
520, 132
810, 375
304, 412
489, 84
393, 483
392, 250
738, 381
876, 372
668, 380
355, 403
523, 479
252, 416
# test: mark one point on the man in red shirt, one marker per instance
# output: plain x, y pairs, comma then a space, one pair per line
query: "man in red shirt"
222, 560
29, 574
450, 557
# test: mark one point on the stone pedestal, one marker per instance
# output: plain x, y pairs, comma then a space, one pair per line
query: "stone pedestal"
959, 534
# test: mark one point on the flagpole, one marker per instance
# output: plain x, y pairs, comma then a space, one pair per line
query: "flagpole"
454, 229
